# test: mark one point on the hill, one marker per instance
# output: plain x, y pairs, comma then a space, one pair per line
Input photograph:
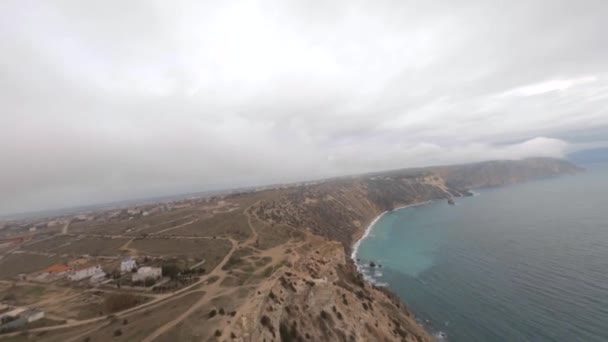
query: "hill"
278, 264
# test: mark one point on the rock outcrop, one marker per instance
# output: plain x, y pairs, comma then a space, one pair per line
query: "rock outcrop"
323, 298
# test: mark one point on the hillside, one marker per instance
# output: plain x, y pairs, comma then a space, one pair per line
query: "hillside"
342, 208
278, 261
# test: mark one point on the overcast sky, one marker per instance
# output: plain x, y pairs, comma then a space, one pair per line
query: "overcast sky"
111, 100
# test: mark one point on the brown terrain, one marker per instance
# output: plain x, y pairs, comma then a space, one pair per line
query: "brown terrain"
276, 263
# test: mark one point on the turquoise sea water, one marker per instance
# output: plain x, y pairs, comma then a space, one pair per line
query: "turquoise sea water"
527, 262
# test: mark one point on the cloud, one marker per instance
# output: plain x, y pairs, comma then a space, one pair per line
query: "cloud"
423, 154
549, 86
102, 102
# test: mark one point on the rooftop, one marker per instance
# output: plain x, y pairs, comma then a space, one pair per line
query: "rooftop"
58, 268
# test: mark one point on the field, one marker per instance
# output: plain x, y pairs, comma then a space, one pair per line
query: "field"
162, 226
14, 264
201, 324
94, 303
93, 246
120, 227
48, 245
140, 325
27, 294
78, 246
233, 224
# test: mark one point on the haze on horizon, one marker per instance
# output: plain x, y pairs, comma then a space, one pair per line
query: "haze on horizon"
112, 100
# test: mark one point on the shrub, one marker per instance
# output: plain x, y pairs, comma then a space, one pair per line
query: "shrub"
267, 323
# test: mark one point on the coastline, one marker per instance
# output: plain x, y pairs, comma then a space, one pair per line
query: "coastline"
367, 231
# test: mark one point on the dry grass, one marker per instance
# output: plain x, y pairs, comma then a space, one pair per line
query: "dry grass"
120, 227
14, 264
142, 324
162, 225
93, 304
204, 327
233, 224
48, 245
24, 294
93, 246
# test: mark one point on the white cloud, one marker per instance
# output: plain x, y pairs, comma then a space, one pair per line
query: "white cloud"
549, 86
133, 99
373, 157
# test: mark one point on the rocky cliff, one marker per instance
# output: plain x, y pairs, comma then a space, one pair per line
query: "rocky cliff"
288, 275
341, 209
323, 293
503, 172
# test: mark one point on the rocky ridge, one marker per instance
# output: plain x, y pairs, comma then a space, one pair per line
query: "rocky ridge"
322, 297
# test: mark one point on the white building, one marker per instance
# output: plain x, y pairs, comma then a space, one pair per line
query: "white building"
146, 272
13, 313
34, 315
84, 271
127, 265
97, 278
133, 211
19, 318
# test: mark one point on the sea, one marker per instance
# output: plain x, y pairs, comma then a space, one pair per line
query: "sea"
526, 262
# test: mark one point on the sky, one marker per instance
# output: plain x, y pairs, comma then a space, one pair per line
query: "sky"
111, 100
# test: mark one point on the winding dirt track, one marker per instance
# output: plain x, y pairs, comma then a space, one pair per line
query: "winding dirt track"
162, 299
210, 291
155, 302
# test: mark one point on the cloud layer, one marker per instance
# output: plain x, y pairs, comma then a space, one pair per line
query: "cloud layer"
119, 100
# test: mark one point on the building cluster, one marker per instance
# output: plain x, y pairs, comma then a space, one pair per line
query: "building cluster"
18, 317
140, 274
81, 269
145, 273
11, 228
74, 272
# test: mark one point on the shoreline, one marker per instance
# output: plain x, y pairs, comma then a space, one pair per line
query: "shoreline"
367, 231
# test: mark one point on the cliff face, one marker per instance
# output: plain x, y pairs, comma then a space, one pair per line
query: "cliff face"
322, 297
319, 296
504, 172
289, 275
340, 209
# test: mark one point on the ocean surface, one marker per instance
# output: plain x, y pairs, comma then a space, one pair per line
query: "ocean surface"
527, 262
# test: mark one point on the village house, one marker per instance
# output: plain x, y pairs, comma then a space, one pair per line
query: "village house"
19, 317
97, 278
146, 272
133, 211
84, 271
57, 270
127, 265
